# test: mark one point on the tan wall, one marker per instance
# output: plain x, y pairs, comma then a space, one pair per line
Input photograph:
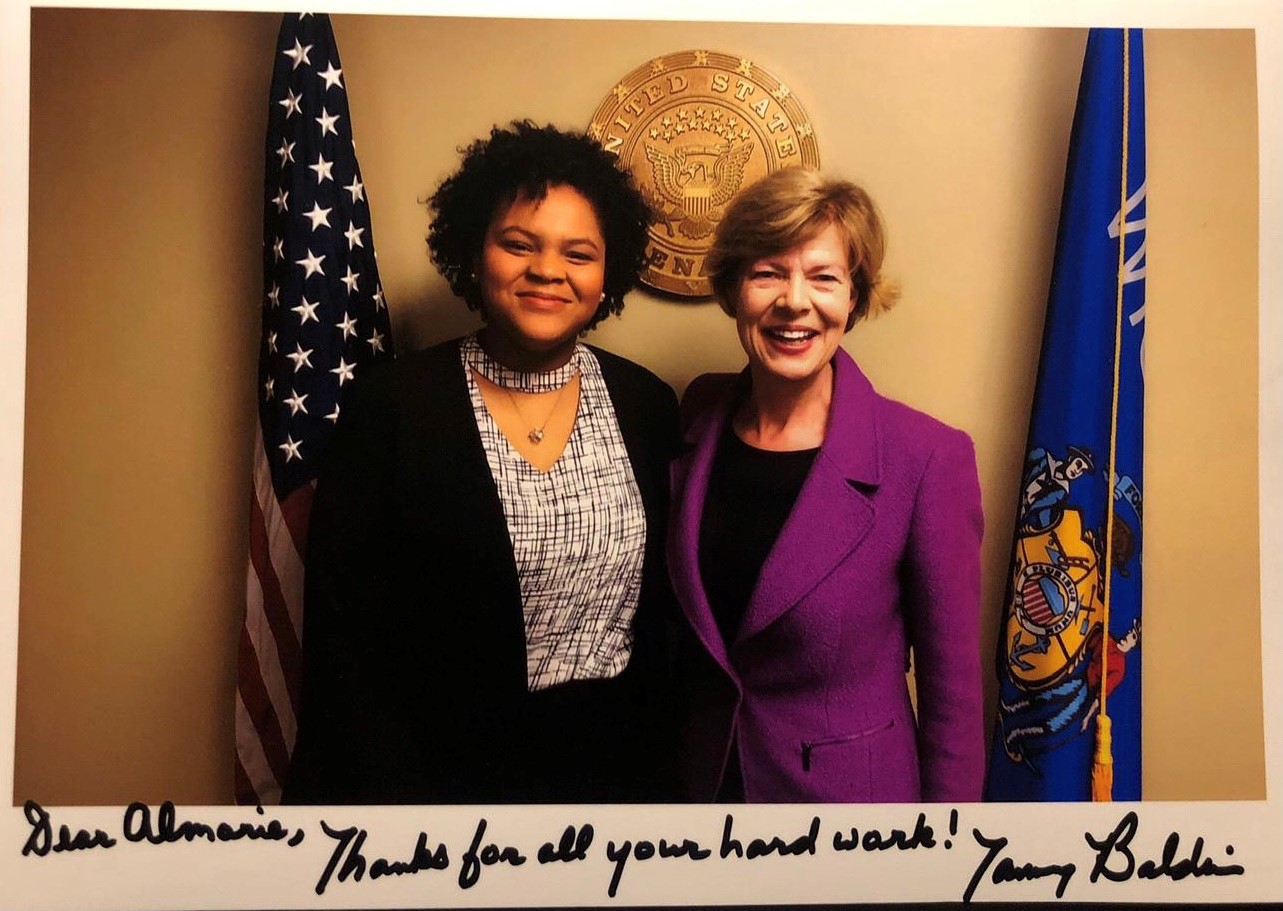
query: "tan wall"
146, 169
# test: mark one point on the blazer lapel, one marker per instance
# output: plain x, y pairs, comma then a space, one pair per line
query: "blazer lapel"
833, 512
446, 490
689, 478
644, 440
450, 423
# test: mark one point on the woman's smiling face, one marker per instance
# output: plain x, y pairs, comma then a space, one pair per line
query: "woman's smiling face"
541, 274
793, 307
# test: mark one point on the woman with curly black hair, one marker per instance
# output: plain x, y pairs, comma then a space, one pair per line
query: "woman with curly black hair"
485, 576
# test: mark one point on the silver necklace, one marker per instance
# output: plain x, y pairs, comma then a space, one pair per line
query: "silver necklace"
536, 433
531, 382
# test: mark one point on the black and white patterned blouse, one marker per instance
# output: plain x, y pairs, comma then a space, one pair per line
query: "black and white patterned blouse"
578, 531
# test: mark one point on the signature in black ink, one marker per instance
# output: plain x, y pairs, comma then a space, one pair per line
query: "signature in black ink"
168, 828
354, 863
1116, 862
1010, 871
41, 840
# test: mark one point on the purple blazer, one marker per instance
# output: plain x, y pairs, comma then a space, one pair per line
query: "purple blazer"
880, 554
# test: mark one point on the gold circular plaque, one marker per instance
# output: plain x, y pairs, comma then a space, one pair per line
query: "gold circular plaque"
693, 127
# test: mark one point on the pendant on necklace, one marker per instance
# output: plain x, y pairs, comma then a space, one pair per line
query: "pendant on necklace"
535, 436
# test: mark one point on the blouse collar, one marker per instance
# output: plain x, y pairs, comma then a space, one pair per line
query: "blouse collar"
520, 380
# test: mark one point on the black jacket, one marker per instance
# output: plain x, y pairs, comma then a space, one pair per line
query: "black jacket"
414, 678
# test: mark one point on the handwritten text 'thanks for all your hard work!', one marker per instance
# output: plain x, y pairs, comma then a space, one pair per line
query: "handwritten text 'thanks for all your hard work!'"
1103, 857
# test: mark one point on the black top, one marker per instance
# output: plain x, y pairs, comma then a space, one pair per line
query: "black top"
750, 493
414, 652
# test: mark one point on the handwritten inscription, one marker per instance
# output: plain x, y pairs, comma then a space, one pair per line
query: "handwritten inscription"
573, 846
478, 856
645, 850
138, 825
1007, 870
347, 859
42, 840
874, 840
168, 828
763, 847
1113, 857
1116, 862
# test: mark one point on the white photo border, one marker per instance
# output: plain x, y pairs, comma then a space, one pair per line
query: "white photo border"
250, 874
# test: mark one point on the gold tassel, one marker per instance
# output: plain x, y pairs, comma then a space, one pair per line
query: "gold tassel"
1102, 767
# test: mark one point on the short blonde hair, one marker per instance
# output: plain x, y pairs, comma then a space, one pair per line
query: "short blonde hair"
789, 207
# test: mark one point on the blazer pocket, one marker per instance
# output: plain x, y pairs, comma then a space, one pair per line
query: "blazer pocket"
813, 750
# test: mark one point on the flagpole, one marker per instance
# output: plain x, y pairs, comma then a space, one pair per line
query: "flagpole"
1102, 771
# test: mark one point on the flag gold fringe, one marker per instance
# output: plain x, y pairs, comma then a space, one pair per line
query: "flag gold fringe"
1102, 767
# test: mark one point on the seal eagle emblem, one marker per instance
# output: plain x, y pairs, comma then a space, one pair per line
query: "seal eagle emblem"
693, 127
696, 181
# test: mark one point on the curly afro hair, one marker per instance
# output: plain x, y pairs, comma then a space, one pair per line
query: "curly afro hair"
525, 160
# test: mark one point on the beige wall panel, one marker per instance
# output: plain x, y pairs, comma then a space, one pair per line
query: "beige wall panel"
142, 328
1203, 714
146, 228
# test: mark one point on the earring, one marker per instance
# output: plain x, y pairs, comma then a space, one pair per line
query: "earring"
603, 296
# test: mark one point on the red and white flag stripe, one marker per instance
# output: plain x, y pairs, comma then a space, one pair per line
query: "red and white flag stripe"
267, 699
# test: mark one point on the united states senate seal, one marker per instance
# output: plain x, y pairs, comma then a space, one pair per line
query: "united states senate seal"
693, 127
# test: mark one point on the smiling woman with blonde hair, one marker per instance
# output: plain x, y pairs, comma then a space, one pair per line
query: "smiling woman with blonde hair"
821, 533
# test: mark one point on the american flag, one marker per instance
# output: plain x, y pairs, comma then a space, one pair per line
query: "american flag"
324, 320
